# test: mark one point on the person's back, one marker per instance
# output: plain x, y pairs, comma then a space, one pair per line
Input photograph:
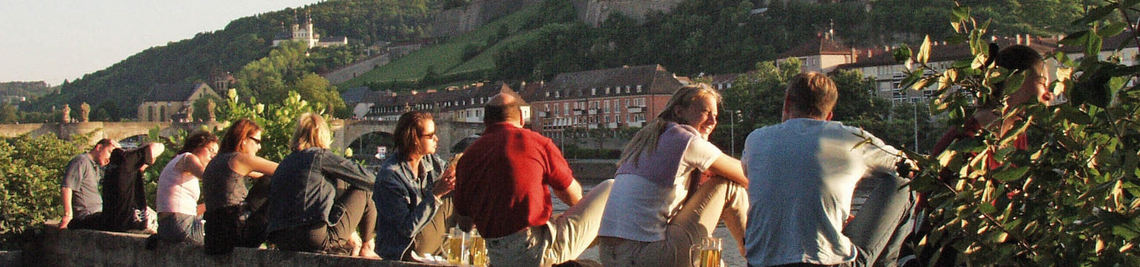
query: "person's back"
803, 174
504, 180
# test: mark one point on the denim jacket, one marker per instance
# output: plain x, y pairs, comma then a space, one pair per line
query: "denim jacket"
303, 187
406, 204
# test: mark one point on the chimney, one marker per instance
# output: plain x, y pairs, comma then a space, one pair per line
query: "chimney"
1018, 36
1027, 40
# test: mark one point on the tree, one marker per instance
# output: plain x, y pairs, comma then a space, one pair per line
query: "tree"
8, 113
1070, 198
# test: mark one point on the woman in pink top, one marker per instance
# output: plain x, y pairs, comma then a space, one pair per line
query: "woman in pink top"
179, 214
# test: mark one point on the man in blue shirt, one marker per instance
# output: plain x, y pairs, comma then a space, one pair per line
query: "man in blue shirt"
802, 175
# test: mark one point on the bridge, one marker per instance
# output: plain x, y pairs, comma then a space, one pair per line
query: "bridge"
345, 132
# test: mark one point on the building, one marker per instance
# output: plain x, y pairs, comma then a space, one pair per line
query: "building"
173, 102
602, 99
303, 32
821, 54
457, 104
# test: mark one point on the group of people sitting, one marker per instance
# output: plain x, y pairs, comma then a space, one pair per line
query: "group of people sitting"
786, 202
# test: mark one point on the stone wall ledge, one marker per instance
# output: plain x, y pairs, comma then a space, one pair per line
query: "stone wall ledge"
99, 248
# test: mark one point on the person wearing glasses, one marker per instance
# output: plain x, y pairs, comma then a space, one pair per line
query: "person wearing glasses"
317, 199
179, 214
234, 215
412, 186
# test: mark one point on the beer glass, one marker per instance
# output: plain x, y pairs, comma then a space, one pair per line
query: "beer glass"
478, 249
707, 253
455, 248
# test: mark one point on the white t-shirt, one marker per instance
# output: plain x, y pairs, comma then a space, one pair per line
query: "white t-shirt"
640, 205
178, 191
802, 175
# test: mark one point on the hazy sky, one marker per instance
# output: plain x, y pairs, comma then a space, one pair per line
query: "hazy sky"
53, 40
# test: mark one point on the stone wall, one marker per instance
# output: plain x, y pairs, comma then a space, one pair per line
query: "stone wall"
97, 248
351, 71
456, 21
594, 12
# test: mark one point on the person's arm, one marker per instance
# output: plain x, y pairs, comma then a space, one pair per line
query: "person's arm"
71, 178
345, 170
155, 150
393, 198
190, 163
65, 195
571, 195
253, 166
729, 168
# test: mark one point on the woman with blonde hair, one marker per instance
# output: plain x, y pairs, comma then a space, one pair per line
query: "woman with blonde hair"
658, 207
235, 216
318, 199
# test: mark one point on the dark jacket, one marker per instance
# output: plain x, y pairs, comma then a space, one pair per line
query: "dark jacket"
304, 187
407, 203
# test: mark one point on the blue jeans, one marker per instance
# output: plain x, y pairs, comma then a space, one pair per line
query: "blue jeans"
883, 222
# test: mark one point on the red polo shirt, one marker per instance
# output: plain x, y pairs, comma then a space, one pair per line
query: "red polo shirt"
501, 180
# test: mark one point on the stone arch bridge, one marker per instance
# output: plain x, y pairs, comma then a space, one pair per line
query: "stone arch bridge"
344, 131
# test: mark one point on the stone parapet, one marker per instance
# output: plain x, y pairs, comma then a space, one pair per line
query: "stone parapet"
98, 248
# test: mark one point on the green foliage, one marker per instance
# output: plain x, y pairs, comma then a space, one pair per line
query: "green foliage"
1071, 197
31, 169
277, 121
287, 68
8, 113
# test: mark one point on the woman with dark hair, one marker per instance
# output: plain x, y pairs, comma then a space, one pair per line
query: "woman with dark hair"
411, 186
318, 199
234, 215
658, 207
178, 190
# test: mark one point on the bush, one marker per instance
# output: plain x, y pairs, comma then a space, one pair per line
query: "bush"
31, 169
1072, 198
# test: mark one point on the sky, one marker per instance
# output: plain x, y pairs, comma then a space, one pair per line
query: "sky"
53, 40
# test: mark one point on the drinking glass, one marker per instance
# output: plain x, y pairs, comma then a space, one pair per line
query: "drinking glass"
707, 253
455, 248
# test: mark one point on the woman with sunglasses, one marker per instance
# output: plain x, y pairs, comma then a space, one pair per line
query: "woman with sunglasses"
179, 214
234, 215
411, 187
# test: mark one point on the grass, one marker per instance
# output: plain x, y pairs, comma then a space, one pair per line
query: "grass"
446, 58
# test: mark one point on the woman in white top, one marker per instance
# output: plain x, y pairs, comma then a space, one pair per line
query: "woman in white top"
179, 214
658, 207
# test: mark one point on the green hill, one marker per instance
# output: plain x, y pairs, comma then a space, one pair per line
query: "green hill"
211, 54
447, 58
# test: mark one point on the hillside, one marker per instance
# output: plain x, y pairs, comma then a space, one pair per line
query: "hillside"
214, 54
695, 36
24, 89
448, 59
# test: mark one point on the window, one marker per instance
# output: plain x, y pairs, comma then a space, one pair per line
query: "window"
638, 88
607, 90
627, 89
565, 109
557, 94
607, 109
593, 91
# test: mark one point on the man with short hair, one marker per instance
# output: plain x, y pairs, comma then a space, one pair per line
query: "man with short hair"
82, 204
802, 175
501, 183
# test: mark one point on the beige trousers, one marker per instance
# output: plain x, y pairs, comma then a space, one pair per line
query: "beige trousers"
716, 200
559, 240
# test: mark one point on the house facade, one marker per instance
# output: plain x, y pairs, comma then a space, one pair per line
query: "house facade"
173, 102
602, 99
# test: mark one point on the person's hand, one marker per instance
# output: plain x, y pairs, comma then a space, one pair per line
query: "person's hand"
444, 185
63, 222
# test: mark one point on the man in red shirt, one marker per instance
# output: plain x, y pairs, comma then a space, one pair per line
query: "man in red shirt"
501, 184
